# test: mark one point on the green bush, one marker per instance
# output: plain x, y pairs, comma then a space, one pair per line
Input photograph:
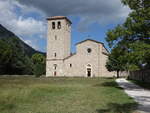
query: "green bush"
39, 63
39, 69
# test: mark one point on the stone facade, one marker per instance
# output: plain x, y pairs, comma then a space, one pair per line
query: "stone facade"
88, 61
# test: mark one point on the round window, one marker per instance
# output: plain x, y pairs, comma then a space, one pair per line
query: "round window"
89, 50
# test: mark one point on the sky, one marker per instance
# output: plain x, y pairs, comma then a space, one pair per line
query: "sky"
90, 18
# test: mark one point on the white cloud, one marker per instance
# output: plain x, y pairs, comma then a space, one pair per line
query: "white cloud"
90, 11
26, 9
27, 28
13, 15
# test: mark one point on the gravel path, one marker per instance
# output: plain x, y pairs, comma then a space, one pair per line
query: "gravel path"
140, 95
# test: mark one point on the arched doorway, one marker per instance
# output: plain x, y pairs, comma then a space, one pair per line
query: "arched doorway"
89, 70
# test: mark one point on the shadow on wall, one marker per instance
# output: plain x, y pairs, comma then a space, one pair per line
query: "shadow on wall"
119, 108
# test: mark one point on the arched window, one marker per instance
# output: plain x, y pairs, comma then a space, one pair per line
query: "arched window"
53, 25
59, 25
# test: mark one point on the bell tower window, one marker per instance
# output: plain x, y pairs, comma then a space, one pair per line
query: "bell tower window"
55, 66
53, 25
59, 25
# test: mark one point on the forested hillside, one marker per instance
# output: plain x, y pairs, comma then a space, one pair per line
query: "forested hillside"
15, 55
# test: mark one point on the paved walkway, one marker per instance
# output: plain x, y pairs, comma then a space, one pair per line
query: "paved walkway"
140, 95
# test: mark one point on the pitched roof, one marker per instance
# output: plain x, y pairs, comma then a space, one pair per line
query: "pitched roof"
93, 41
59, 17
89, 40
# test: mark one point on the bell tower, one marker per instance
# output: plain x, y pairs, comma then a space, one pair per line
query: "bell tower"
59, 38
58, 44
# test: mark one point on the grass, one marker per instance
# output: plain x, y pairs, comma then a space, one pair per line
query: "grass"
63, 95
145, 85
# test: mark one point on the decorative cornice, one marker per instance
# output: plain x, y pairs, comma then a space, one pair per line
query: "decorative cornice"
59, 17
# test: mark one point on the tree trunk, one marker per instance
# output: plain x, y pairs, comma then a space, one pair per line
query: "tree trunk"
117, 74
128, 74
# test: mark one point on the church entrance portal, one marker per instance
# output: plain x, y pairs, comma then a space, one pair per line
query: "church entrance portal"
88, 70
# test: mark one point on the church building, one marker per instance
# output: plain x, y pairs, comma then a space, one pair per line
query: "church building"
88, 61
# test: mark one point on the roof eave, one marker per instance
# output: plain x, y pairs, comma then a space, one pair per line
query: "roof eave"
59, 18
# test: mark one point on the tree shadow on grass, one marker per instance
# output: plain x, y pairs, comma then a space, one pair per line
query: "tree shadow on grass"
108, 84
119, 108
116, 107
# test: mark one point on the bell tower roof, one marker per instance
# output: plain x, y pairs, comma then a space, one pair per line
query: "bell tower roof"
59, 18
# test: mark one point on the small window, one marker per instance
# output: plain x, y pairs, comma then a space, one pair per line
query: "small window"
55, 66
70, 65
53, 25
55, 54
89, 50
59, 25
55, 37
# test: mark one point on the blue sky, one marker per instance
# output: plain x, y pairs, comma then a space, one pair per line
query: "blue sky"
90, 18
95, 31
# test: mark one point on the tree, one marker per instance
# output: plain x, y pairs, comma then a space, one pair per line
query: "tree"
39, 62
20, 62
133, 37
13, 60
115, 61
5, 56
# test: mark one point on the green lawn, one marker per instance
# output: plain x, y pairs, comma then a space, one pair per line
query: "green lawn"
63, 95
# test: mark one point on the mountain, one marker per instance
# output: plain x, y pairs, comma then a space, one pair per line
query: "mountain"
15, 55
9, 36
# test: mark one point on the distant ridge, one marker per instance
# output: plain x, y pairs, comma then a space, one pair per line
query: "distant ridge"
9, 36
15, 54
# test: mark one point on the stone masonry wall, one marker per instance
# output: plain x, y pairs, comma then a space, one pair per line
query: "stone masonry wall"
141, 75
